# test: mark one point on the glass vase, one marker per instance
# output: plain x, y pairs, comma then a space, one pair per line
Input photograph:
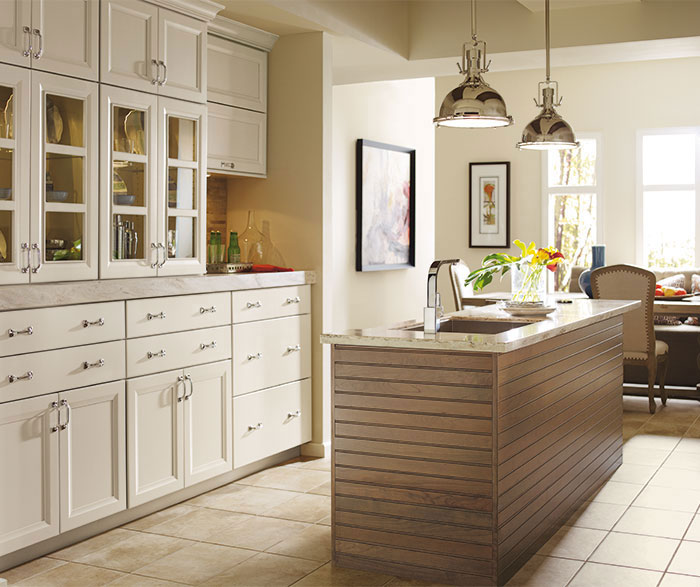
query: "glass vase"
528, 283
270, 253
250, 242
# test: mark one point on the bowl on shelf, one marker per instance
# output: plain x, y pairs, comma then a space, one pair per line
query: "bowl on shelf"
52, 196
5, 193
124, 199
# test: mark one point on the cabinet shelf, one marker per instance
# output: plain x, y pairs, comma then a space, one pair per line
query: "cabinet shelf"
64, 151
129, 210
118, 156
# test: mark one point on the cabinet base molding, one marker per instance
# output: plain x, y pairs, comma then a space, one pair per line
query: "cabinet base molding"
316, 449
89, 530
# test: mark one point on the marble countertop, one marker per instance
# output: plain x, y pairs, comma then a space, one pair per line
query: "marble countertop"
567, 317
17, 297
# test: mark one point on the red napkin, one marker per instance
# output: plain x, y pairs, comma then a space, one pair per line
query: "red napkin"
269, 269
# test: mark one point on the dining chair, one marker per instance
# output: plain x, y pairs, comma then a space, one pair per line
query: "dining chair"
458, 275
639, 344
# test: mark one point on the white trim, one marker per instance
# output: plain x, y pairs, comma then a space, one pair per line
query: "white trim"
204, 10
242, 33
316, 449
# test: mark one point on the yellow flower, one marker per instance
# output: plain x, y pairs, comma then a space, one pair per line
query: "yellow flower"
526, 250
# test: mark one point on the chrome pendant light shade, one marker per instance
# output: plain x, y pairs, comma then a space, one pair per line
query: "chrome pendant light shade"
473, 103
548, 130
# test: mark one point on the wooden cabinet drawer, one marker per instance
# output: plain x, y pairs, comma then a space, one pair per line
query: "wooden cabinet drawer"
153, 354
270, 353
261, 304
59, 327
60, 369
269, 421
176, 313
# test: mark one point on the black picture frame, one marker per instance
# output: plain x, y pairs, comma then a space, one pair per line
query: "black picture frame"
501, 238
360, 201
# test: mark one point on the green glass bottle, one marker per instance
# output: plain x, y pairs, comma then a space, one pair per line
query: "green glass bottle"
234, 251
211, 255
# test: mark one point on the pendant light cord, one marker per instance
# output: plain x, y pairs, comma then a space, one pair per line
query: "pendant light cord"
473, 7
546, 35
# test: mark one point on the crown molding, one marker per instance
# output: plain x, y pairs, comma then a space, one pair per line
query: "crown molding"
204, 10
242, 33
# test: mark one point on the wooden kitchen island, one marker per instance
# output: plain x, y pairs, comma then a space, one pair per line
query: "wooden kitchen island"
457, 455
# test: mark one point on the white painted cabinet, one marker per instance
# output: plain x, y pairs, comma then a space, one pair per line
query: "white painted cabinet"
237, 141
153, 49
16, 32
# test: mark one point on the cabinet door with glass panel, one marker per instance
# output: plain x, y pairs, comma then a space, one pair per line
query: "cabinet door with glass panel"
64, 196
181, 185
14, 174
129, 225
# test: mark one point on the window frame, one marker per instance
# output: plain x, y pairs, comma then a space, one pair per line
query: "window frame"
641, 188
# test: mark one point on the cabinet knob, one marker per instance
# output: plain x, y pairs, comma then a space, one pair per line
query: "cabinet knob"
294, 414
294, 300
257, 304
98, 363
211, 309
293, 349
98, 322
255, 356
27, 376
257, 426
160, 315
211, 345
28, 331
160, 353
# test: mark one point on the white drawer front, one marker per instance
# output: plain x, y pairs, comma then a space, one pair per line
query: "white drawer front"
277, 302
270, 353
60, 327
53, 371
270, 421
153, 354
177, 313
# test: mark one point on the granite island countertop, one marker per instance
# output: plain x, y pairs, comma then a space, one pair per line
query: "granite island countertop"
566, 318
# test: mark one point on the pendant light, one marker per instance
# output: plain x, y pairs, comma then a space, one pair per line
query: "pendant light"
473, 104
548, 130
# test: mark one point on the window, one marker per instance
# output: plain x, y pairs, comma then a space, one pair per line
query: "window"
668, 180
572, 201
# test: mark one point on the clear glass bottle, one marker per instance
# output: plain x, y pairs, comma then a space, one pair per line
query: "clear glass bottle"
270, 253
250, 242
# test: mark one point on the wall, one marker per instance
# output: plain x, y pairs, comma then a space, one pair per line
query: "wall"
615, 100
292, 196
400, 113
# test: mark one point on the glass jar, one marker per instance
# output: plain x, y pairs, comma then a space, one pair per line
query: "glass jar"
250, 242
528, 283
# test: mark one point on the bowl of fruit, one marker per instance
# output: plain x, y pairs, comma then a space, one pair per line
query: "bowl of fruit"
665, 292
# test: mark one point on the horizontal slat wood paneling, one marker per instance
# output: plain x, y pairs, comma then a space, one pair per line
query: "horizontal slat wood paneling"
424, 390
416, 406
412, 375
412, 435
482, 426
388, 356
398, 449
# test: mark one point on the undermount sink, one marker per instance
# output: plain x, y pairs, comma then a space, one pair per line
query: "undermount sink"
473, 326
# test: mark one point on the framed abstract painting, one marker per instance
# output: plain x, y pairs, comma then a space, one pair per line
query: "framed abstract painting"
489, 205
385, 207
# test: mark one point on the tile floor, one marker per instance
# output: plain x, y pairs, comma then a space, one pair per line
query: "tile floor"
272, 528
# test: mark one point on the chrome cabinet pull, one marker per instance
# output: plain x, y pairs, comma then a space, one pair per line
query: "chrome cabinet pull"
29, 375
294, 300
156, 247
160, 353
181, 379
211, 309
12, 332
165, 255
255, 356
37, 249
257, 304
293, 349
40, 52
228, 164
64, 402
160, 315
295, 414
98, 322
98, 363
155, 80
165, 74
188, 377
54, 406
211, 345
28, 266
257, 426
28, 36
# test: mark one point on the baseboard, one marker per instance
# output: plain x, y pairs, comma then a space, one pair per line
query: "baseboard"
316, 449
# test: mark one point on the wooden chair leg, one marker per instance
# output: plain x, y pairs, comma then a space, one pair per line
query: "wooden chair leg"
662, 380
651, 372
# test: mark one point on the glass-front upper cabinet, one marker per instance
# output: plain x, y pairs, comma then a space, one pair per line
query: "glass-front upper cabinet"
181, 186
14, 174
129, 235
64, 203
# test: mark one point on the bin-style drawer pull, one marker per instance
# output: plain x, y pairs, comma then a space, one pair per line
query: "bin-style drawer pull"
295, 414
255, 356
160, 315
211, 345
28, 376
160, 353
293, 349
257, 304
98, 363
98, 322
257, 426
28, 331
211, 309
294, 300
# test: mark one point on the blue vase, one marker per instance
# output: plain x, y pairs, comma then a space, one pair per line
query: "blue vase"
584, 280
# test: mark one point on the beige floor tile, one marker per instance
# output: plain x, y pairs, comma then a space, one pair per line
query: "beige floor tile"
653, 441
599, 575
325, 521
630, 473
617, 493
265, 570
331, 576
302, 508
596, 515
134, 552
676, 478
246, 500
317, 464
644, 456
632, 550
39, 565
72, 575
141, 581
199, 524
252, 479
665, 428
323, 489
652, 522
196, 563
679, 500
694, 431
672, 580
687, 559
401, 582
683, 460
73, 553
572, 542
694, 530
544, 570
292, 479
313, 543
159, 517
258, 533
691, 445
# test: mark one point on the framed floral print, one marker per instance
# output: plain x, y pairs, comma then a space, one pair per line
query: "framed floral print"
489, 205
